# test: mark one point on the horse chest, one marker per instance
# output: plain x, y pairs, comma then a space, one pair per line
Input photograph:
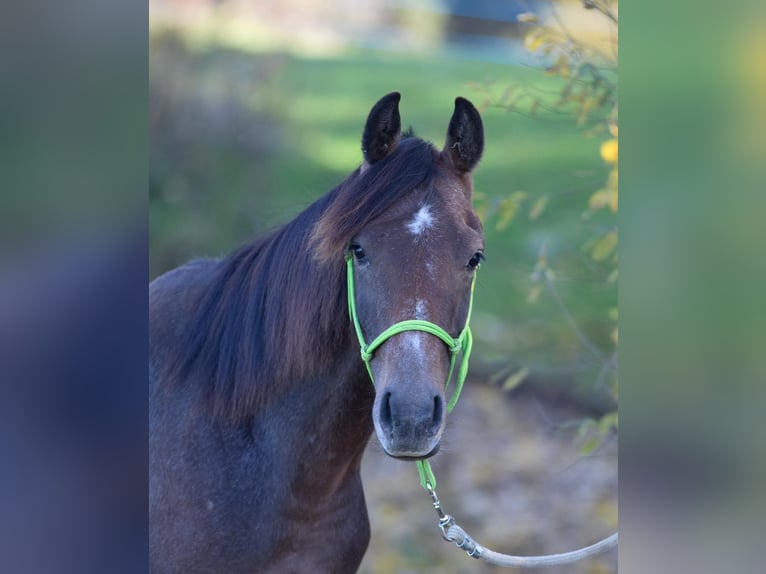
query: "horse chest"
325, 539
239, 504
275, 527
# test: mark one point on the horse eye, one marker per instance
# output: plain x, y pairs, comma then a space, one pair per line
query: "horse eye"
357, 250
475, 261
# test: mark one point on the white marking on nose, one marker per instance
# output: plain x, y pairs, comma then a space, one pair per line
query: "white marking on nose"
423, 220
414, 341
421, 309
410, 345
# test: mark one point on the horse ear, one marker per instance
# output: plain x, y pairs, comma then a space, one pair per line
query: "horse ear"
383, 128
465, 136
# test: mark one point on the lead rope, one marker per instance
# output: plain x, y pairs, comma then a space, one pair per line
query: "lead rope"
451, 531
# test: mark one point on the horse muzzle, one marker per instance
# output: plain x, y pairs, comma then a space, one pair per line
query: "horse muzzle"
409, 427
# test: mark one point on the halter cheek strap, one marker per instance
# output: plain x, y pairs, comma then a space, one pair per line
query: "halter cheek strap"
463, 342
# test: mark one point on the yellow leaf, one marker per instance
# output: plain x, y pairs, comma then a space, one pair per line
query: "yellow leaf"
599, 199
550, 274
609, 151
604, 246
606, 197
534, 294
613, 178
612, 185
518, 196
506, 216
613, 198
538, 207
561, 67
526, 17
515, 379
507, 209
534, 40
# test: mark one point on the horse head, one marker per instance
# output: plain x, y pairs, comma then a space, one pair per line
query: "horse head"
414, 262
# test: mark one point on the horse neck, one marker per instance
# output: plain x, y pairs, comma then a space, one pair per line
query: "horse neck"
335, 424
271, 319
328, 396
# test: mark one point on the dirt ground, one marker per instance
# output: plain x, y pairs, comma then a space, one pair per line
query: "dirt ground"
511, 472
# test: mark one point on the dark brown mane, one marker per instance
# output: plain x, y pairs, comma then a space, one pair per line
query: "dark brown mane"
364, 198
275, 312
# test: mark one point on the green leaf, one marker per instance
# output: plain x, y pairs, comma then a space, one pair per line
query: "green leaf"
604, 246
607, 422
495, 378
538, 207
515, 379
590, 445
507, 209
534, 294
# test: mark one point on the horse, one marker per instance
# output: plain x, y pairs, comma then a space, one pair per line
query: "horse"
260, 405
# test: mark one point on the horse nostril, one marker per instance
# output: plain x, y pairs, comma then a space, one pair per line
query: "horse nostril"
436, 421
386, 421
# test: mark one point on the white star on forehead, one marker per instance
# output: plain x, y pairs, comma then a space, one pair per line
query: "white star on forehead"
423, 220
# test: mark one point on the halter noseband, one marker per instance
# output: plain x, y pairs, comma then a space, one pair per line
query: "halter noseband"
463, 342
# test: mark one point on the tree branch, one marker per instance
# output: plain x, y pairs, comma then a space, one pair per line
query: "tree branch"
586, 342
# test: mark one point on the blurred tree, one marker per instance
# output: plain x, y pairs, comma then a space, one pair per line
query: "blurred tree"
586, 64
211, 148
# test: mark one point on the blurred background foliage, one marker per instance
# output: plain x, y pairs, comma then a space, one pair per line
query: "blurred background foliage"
256, 109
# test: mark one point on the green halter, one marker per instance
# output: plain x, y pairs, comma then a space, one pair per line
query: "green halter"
464, 342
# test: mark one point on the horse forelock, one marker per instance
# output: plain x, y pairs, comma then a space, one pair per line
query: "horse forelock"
364, 197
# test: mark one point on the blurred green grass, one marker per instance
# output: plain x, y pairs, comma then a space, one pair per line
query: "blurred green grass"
244, 139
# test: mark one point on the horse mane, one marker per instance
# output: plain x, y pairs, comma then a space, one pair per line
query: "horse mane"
275, 311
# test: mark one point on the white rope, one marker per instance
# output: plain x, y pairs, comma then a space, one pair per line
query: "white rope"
451, 532
459, 536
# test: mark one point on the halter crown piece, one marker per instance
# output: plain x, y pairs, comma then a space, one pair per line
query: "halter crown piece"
463, 342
